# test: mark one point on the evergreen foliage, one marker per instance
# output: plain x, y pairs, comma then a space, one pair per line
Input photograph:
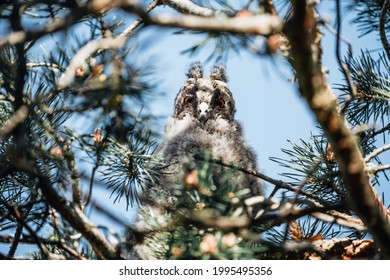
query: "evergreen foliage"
71, 123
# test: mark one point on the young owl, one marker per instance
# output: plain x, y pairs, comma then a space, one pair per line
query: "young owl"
203, 120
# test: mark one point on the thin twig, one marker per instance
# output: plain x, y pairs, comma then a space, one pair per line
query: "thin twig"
44, 64
377, 152
382, 27
92, 179
17, 118
129, 30
343, 66
16, 240
377, 132
382, 167
109, 214
91, 47
79, 221
288, 212
19, 230
334, 32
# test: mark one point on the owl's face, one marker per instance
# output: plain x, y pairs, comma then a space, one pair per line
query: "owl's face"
206, 99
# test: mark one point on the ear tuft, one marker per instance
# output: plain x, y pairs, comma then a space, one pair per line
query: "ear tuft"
195, 71
218, 73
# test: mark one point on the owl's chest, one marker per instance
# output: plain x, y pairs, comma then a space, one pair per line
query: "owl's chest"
177, 127
224, 148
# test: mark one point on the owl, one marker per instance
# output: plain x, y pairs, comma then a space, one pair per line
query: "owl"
204, 120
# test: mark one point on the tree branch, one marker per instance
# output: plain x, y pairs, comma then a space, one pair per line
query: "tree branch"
377, 152
306, 52
269, 7
331, 215
287, 211
278, 183
74, 177
252, 25
189, 7
209, 219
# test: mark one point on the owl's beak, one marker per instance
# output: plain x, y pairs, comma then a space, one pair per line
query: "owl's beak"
203, 111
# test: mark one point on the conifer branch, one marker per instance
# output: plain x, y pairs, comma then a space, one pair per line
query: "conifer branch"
189, 7
252, 25
84, 53
28, 239
38, 109
74, 215
101, 44
320, 203
277, 183
17, 118
22, 36
287, 211
14, 211
306, 51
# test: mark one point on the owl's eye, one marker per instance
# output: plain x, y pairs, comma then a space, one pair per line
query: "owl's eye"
188, 100
220, 102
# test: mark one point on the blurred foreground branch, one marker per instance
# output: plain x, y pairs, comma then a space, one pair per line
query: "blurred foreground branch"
306, 51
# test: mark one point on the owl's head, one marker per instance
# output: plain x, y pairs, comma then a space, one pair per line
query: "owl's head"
205, 98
